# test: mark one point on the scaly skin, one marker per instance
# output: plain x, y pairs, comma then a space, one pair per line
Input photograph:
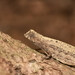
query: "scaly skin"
59, 50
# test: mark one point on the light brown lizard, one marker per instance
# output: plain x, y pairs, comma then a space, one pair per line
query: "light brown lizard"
59, 50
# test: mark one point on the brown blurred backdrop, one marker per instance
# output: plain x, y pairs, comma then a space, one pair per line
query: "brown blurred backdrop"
52, 18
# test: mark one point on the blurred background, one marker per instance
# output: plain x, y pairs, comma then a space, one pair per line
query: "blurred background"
52, 18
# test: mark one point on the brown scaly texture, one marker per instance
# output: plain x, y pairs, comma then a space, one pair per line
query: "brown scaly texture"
59, 50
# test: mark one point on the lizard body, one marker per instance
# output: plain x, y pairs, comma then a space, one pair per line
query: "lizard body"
59, 50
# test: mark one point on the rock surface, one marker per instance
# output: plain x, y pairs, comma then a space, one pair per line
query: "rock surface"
18, 59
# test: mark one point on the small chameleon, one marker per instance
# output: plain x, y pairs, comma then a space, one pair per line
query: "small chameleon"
59, 50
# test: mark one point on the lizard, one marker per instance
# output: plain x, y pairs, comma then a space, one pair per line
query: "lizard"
61, 51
